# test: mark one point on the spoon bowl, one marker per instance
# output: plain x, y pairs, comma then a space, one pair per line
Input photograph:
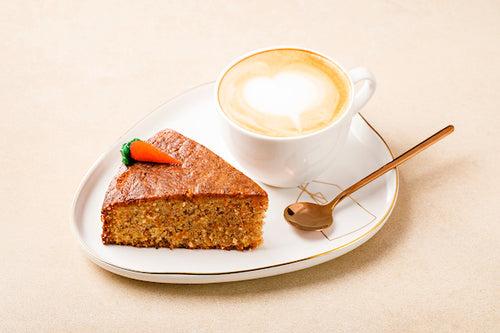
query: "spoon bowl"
318, 216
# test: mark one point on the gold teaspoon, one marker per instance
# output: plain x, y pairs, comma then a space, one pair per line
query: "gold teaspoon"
310, 216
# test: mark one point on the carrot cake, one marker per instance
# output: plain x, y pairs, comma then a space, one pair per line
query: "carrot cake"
201, 203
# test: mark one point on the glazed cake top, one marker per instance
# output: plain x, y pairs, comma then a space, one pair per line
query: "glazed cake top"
202, 173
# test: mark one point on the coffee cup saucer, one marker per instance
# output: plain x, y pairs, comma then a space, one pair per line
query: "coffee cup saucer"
285, 248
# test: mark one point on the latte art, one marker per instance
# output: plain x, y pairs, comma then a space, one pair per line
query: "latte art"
283, 92
289, 94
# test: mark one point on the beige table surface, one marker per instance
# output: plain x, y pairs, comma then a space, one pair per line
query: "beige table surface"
74, 75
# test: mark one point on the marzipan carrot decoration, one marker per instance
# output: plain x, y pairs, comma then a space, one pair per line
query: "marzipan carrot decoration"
137, 150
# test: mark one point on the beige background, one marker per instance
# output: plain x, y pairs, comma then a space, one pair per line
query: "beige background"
75, 75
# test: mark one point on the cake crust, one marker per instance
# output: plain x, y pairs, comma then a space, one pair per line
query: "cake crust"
202, 173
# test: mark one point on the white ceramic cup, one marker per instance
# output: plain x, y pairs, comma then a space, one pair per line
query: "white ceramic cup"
291, 161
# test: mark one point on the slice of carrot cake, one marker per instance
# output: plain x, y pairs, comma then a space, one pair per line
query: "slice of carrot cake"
202, 203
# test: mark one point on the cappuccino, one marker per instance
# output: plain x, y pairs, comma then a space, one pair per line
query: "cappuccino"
283, 92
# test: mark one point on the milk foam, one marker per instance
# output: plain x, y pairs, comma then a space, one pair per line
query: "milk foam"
288, 93
283, 92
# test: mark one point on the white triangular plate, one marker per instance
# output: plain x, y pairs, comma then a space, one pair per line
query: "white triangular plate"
285, 248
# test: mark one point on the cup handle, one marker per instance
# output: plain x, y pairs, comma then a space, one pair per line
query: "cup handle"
365, 92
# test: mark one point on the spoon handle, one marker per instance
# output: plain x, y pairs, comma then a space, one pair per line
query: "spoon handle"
398, 160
